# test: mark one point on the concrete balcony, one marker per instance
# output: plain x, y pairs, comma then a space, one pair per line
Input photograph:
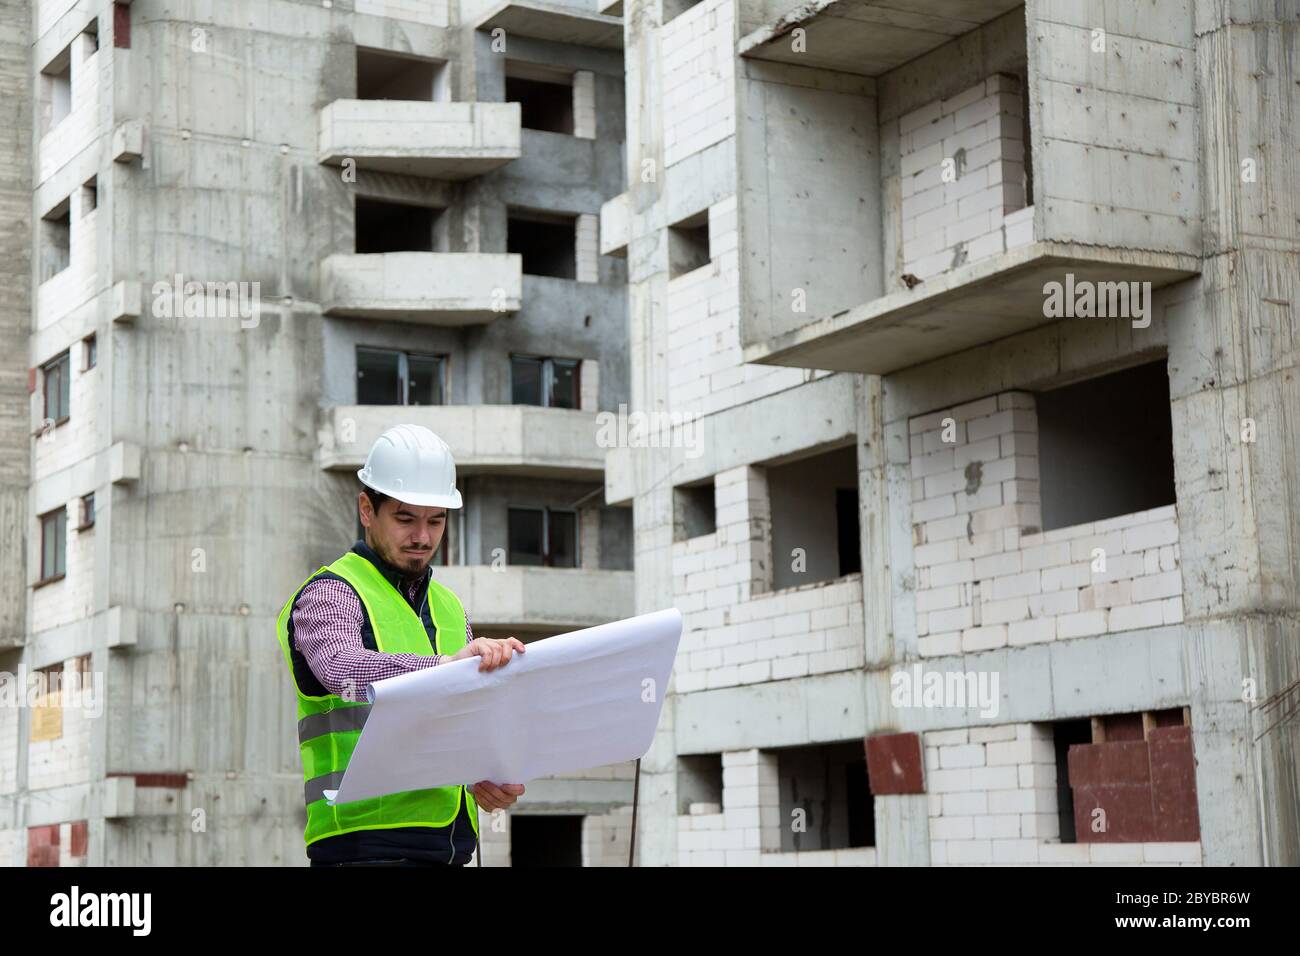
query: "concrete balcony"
968, 306
866, 37
431, 288
556, 22
497, 439
451, 141
531, 599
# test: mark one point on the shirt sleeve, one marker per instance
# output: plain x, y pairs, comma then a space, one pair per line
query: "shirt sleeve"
327, 631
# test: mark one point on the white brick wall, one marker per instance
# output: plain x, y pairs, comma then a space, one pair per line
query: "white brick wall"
706, 370
737, 632
586, 247
746, 829
698, 70
948, 223
12, 848
992, 794
987, 577
584, 104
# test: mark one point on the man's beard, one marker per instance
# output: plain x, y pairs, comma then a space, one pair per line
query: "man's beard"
410, 564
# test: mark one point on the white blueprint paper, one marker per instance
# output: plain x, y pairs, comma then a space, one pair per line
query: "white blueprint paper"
570, 702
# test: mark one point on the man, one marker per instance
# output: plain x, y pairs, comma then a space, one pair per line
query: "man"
374, 613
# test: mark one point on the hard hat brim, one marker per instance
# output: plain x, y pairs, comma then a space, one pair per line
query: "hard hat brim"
414, 498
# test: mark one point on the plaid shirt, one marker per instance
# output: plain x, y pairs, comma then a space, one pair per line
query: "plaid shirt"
327, 631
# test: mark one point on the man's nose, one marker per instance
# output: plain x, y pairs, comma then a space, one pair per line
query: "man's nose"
421, 536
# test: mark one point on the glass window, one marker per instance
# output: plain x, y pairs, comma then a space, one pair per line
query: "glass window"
563, 383
379, 377
550, 382
87, 511
561, 539
389, 377
542, 536
525, 380
54, 544
57, 388
90, 352
424, 385
525, 532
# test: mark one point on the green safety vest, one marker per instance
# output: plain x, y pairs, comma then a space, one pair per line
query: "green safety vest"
329, 726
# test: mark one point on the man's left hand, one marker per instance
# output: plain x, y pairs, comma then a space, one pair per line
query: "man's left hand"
491, 796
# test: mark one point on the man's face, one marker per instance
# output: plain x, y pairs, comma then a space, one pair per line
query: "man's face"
406, 536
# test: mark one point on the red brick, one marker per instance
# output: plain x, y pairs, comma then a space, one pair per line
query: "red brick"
895, 764
1108, 764
1123, 727
1173, 784
1129, 817
80, 837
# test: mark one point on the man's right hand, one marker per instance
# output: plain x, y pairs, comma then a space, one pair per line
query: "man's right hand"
493, 653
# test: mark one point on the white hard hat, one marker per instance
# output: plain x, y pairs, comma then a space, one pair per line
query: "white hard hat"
412, 464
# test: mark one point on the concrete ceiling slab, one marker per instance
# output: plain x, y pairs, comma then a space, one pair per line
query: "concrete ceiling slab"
867, 37
975, 304
546, 21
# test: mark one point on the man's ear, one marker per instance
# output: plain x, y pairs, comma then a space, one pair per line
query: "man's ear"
364, 510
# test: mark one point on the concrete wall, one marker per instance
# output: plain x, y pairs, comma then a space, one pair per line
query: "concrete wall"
1115, 118
15, 308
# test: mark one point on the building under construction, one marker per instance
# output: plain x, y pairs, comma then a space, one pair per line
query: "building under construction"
971, 329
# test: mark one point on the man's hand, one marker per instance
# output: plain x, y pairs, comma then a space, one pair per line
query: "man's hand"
491, 797
493, 653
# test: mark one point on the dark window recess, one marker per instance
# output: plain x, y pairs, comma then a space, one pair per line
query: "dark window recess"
1026, 138
688, 245
1105, 447
90, 196
546, 247
699, 780
87, 512
694, 511
89, 352
54, 544
390, 76
551, 382
545, 840
57, 388
390, 377
543, 106
393, 227
675, 8
814, 508
543, 537
846, 530
91, 34
56, 240
826, 802
1066, 734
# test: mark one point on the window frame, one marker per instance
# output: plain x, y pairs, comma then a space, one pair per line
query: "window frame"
547, 385
404, 372
59, 519
62, 365
547, 513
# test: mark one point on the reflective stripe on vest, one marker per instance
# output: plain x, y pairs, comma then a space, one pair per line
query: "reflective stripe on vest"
329, 726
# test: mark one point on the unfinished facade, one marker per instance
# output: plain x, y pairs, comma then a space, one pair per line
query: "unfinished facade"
236, 236
985, 526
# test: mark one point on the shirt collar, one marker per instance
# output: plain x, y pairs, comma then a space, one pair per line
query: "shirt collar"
401, 582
